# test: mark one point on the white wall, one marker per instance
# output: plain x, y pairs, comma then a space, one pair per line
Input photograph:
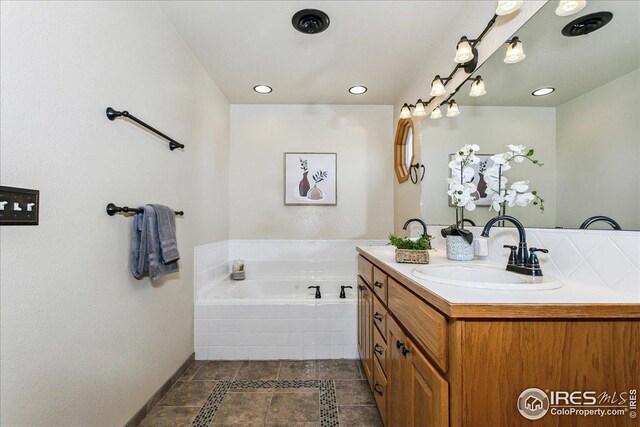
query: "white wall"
362, 137
599, 154
83, 343
492, 128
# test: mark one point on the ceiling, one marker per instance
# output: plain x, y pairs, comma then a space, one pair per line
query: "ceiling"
572, 65
380, 45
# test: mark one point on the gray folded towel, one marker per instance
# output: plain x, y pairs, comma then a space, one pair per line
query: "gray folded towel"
152, 229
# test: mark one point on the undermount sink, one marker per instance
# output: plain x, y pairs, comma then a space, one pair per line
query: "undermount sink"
484, 276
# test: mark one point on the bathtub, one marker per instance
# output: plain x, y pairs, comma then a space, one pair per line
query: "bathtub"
270, 319
272, 314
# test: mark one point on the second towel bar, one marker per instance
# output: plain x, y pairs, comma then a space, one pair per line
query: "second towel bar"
113, 209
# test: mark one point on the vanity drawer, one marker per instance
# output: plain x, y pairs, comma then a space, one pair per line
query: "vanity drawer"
424, 323
380, 389
379, 349
380, 284
380, 317
365, 270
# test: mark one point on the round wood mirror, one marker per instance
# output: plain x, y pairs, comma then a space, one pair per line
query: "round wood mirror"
403, 149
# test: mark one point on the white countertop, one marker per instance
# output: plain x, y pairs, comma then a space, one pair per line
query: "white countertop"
571, 293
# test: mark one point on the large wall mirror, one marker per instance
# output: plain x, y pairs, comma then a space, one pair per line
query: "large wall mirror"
586, 132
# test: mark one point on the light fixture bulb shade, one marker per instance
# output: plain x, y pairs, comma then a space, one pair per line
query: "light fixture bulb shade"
405, 112
508, 6
436, 113
464, 52
419, 111
569, 7
452, 109
437, 87
515, 53
477, 87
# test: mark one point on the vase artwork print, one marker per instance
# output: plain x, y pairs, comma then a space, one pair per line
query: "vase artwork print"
310, 179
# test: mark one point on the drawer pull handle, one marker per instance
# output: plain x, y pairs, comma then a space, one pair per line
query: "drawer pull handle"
378, 349
376, 388
378, 316
399, 344
361, 287
378, 284
405, 351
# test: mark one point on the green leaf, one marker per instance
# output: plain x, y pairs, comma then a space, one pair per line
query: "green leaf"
421, 244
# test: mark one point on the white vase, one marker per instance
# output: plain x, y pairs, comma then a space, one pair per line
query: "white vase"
458, 249
315, 194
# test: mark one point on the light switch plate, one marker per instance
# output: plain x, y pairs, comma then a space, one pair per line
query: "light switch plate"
22, 206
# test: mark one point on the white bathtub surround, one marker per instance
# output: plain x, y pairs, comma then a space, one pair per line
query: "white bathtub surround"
272, 314
603, 258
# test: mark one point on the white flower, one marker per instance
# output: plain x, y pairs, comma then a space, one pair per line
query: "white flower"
517, 149
520, 186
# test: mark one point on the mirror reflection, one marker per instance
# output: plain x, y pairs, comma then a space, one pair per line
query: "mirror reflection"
574, 99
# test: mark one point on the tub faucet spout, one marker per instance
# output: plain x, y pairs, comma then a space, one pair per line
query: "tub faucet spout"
317, 288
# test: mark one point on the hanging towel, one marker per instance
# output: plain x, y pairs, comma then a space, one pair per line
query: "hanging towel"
166, 221
150, 228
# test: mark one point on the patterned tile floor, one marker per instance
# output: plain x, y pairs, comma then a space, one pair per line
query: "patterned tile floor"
288, 393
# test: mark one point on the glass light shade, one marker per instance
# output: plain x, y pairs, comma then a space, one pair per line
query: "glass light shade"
405, 112
436, 113
452, 109
419, 111
477, 87
507, 7
437, 87
464, 52
515, 53
569, 7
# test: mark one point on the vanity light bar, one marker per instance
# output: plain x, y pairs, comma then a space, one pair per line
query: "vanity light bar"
467, 59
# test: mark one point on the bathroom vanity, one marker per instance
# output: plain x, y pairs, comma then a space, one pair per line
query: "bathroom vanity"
442, 355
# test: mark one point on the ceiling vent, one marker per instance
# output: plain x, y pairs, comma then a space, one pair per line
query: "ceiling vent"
310, 21
587, 24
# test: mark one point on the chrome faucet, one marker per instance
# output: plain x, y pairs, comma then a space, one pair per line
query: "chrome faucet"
424, 226
587, 222
521, 259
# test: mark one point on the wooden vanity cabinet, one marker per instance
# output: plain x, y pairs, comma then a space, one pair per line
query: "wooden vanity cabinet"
433, 363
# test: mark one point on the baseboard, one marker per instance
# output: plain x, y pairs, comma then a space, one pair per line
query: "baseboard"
164, 388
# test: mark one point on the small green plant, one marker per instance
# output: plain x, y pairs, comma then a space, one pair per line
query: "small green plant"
422, 244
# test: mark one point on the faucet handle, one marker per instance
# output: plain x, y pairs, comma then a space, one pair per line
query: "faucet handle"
533, 261
512, 256
544, 251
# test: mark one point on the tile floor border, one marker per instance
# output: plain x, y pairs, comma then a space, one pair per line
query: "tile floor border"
327, 389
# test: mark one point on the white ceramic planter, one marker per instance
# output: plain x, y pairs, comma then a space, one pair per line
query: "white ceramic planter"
458, 249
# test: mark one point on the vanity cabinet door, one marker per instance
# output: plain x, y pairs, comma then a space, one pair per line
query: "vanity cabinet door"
428, 397
365, 325
397, 390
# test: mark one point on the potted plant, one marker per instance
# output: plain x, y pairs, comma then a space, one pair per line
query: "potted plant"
411, 251
461, 190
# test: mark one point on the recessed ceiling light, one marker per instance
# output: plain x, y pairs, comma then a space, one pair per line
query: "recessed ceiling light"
542, 91
357, 90
263, 89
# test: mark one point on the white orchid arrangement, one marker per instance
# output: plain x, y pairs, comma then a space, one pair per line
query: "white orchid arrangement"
462, 189
518, 193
